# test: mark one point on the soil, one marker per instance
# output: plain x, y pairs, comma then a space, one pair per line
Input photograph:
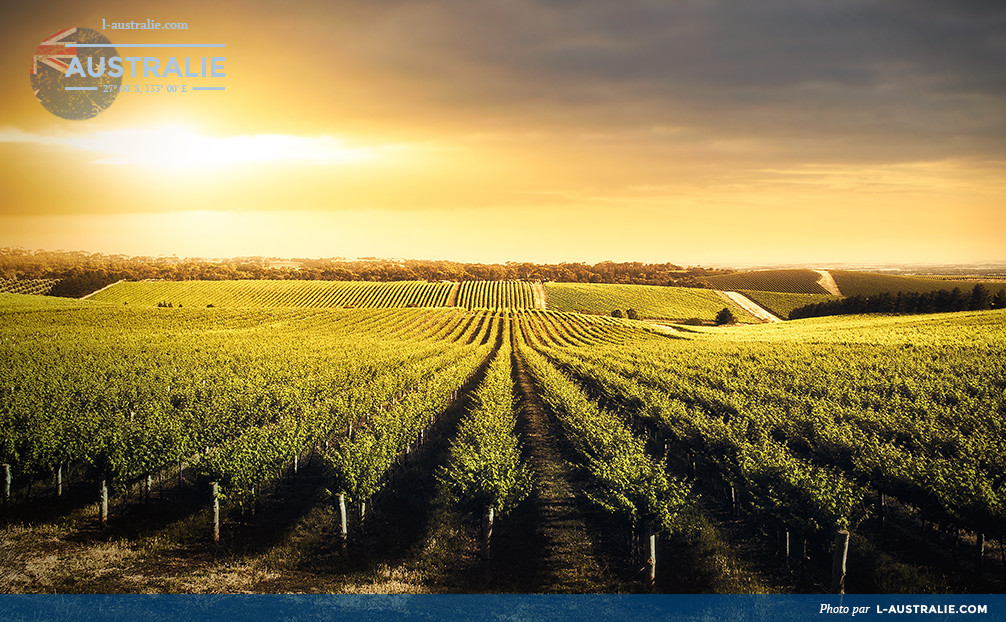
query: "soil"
540, 299
452, 301
571, 555
750, 306
828, 283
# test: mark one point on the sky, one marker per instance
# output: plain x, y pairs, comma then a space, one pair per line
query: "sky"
695, 132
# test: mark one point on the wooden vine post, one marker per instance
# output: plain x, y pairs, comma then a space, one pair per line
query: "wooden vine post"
343, 534
785, 552
6, 484
103, 503
488, 517
59, 480
215, 492
650, 536
804, 558
839, 561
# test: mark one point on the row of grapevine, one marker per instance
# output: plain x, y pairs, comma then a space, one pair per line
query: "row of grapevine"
495, 295
485, 472
803, 496
574, 329
359, 463
260, 453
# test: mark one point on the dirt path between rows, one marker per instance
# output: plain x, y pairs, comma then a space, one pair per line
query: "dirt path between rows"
568, 560
452, 300
749, 305
540, 300
85, 296
828, 282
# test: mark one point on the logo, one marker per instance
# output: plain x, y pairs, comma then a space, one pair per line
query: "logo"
74, 95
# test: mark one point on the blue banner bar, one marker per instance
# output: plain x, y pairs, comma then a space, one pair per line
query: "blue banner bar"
507, 607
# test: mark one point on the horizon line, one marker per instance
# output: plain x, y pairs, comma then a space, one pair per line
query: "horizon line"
758, 265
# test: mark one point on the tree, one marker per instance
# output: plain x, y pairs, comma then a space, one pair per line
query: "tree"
999, 300
617, 313
632, 314
725, 316
956, 300
980, 298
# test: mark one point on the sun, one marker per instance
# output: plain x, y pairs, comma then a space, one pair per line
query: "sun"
179, 147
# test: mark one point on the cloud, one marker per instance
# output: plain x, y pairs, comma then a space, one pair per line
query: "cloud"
885, 80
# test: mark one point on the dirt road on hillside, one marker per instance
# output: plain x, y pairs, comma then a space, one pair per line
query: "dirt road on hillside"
85, 296
749, 305
827, 282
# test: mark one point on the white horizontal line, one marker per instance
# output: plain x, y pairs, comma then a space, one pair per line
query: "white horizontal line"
145, 45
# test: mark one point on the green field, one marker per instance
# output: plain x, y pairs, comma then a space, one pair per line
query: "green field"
790, 281
651, 301
266, 294
781, 303
582, 433
868, 283
31, 301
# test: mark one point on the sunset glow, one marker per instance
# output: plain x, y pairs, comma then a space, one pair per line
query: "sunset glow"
178, 147
776, 132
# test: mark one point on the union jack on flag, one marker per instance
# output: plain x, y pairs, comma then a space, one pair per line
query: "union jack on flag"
54, 52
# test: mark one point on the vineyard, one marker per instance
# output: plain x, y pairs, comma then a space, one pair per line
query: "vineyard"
850, 283
790, 281
868, 283
650, 301
781, 303
34, 287
333, 450
322, 294
495, 295
272, 294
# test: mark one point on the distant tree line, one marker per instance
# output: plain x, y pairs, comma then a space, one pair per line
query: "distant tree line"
80, 273
938, 301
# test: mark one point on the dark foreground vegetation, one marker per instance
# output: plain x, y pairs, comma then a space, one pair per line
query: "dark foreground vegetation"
940, 301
